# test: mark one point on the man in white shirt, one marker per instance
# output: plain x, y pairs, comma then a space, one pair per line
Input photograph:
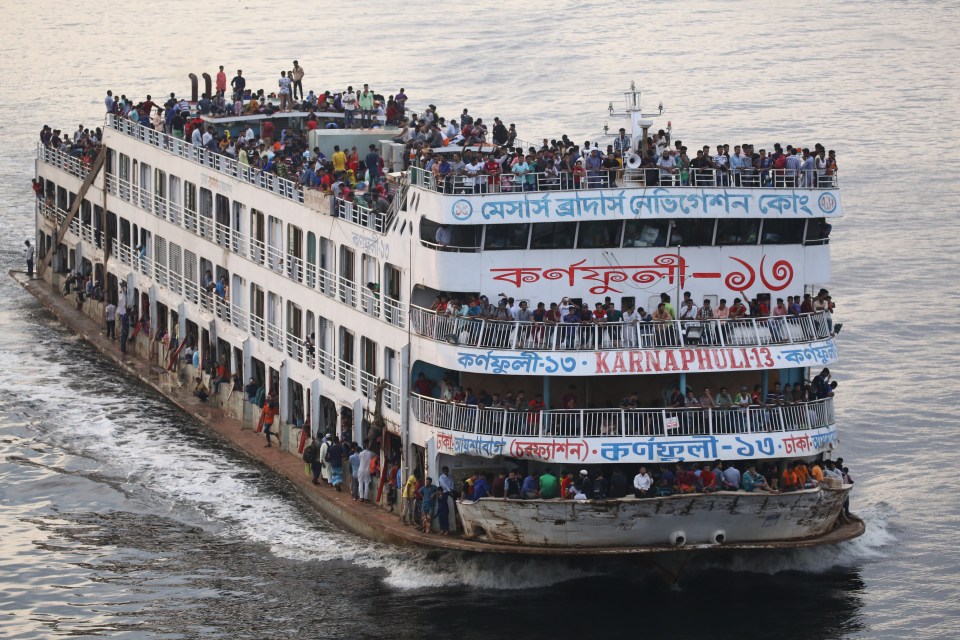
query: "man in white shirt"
689, 310
349, 102
445, 481
642, 484
471, 174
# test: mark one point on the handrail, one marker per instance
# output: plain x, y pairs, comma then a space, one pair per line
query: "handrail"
517, 335
509, 182
610, 423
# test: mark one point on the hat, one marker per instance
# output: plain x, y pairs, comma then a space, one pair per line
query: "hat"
583, 472
743, 388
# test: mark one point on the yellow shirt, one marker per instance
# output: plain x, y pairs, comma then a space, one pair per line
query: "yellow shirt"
817, 473
410, 488
339, 161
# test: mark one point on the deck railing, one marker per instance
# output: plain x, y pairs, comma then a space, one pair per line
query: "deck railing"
608, 423
509, 182
503, 334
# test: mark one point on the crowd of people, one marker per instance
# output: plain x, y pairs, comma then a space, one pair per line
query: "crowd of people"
820, 387
423, 501
573, 313
500, 161
84, 144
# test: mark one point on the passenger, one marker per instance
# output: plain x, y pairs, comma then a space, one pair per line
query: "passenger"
642, 484
791, 481
586, 484
754, 481
708, 480
618, 484
200, 390
548, 485
335, 459
832, 472
481, 488
600, 487
731, 478
512, 486
409, 497
531, 487
686, 480
499, 486
566, 483
428, 507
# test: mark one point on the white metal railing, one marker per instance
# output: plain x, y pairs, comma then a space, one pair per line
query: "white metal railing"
510, 181
274, 336
78, 166
258, 327
294, 268
327, 363
563, 336
600, 423
274, 259
370, 302
394, 312
360, 215
391, 396
348, 374
270, 182
368, 384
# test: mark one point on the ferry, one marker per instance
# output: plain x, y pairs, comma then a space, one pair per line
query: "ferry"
342, 310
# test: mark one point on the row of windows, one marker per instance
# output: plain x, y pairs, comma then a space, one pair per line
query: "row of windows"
610, 234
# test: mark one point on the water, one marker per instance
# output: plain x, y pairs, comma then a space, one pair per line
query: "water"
122, 518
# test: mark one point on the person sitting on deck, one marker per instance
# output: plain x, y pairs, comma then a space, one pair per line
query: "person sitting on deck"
512, 486
686, 480
200, 390
531, 486
753, 481
642, 483
791, 480
481, 488
708, 479
549, 487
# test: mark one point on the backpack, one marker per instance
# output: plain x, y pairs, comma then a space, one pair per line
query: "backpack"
310, 453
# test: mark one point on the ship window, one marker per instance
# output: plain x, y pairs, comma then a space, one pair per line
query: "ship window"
692, 233
738, 231
818, 231
553, 235
788, 231
646, 233
599, 234
506, 236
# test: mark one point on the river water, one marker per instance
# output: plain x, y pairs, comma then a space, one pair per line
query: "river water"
120, 517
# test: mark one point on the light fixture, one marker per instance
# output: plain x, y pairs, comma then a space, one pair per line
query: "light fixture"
661, 106
610, 108
606, 128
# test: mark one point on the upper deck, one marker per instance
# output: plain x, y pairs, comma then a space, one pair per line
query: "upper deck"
563, 197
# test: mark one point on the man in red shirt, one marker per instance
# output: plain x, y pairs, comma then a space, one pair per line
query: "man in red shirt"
708, 479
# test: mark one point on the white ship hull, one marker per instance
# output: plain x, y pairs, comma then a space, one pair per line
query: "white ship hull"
720, 518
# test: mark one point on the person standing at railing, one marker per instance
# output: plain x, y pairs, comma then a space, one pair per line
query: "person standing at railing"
778, 326
808, 170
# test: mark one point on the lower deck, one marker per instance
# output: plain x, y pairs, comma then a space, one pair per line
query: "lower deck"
371, 522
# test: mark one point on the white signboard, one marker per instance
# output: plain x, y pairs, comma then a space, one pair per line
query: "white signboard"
613, 204
640, 449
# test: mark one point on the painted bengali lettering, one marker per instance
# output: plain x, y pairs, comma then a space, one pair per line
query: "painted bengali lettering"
654, 201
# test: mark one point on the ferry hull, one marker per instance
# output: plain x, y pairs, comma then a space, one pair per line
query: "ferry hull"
720, 518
